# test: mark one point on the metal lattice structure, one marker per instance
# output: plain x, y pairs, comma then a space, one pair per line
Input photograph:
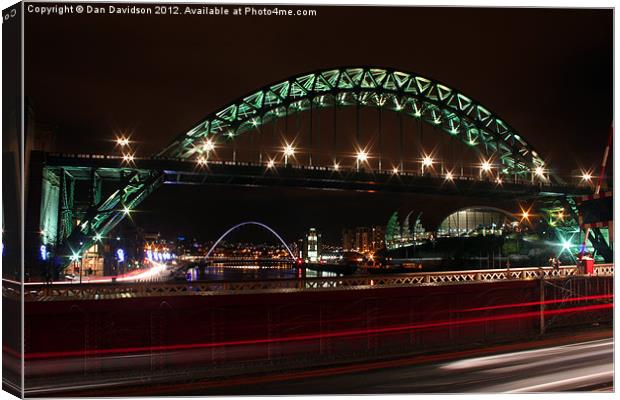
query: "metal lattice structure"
408, 93
563, 217
103, 216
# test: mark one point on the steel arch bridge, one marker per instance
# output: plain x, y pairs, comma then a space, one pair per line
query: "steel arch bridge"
260, 224
404, 93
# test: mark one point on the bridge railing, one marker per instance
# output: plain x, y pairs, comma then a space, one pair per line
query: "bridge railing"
341, 168
95, 291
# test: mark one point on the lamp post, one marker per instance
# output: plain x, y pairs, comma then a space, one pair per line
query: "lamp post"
289, 151
427, 162
485, 167
208, 147
362, 156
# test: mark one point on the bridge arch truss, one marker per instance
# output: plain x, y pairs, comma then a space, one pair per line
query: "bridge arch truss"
260, 224
413, 95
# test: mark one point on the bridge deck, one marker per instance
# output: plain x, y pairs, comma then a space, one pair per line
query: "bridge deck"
93, 291
179, 171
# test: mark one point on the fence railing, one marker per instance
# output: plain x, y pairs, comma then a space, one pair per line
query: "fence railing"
102, 291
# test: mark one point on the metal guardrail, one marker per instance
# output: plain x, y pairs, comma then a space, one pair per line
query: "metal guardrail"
98, 291
146, 163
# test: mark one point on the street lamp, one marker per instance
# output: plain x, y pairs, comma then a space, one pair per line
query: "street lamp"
128, 158
271, 164
586, 176
395, 170
449, 176
362, 156
122, 141
485, 166
539, 171
208, 146
427, 162
289, 151
76, 259
525, 214
336, 166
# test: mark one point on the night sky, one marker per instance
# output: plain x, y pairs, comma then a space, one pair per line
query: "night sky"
548, 73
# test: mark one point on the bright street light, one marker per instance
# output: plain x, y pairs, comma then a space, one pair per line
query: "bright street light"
525, 215
271, 164
122, 141
128, 158
361, 156
336, 166
201, 161
586, 176
486, 166
395, 170
540, 171
449, 176
427, 161
208, 146
289, 151
126, 210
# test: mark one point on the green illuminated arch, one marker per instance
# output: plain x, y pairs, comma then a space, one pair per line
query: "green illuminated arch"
430, 101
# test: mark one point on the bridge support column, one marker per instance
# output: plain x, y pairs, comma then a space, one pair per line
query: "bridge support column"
95, 188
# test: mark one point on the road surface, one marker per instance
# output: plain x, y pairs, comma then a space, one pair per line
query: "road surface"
581, 366
585, 365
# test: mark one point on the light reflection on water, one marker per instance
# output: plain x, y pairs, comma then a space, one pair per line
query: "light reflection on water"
221, 272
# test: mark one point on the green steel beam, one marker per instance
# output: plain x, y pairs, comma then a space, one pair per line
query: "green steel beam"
101, 218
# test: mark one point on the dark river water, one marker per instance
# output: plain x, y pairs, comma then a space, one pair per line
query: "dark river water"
252, 272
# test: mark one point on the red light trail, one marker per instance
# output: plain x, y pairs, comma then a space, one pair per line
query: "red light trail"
537, 303
345, 333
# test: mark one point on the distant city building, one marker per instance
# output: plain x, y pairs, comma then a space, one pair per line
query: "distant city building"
378, 237
397, 235
476, 221
348, 239
312, 245
363, 239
